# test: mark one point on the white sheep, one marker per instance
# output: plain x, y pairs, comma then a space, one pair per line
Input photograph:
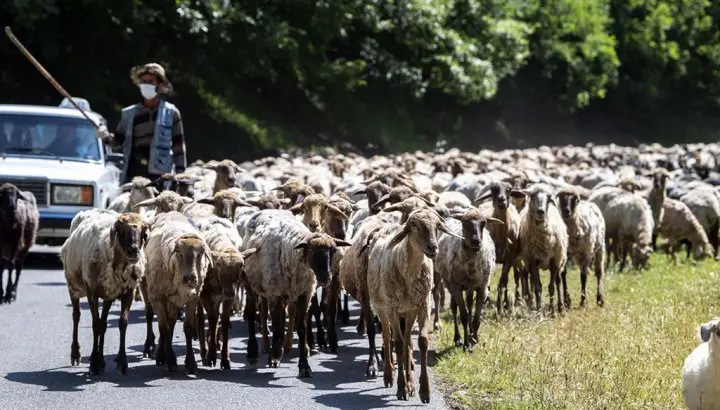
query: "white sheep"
586, 234
466, 265
628, 220
701, 370
103, 258
138, 190
543, 243
178, 259
289, 264
400, 281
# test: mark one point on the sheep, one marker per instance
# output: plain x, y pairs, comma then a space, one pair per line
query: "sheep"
220, 286
586, 234
103, 258
543, 241
225, 174
466, 265
139, 189
628, 220
289, 264
705, 205
656, 198
700, 376
454, 199
505, 237
224, 203
402, 255
165, 202
178, 259
679, 223
19, 218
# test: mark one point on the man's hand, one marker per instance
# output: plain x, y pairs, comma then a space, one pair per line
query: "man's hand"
103, 133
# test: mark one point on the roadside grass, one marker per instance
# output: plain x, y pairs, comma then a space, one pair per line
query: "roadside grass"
626, 355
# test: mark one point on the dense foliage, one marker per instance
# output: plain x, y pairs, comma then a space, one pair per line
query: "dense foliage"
399, 74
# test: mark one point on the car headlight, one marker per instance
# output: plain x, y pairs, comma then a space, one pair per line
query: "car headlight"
72, 194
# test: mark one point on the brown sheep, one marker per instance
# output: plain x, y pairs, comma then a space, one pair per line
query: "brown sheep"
224, 204
19, 219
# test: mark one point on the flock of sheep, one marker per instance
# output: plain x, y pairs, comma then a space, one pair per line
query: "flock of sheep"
392, 232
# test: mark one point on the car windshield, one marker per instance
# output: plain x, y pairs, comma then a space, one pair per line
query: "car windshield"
48, 136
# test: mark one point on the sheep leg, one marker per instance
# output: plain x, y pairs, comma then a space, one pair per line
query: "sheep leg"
563, 281
537, 284
623, 248
454, 308
301, 308
170, 356
360, 328
345, 319
436, 291
210, 356
97, 363
409, 362
714, 238
19, 263
502, 288
75, 346
202, 337
367, 316
149, 350
3, 263
653, 241
469, 296
457, 295
316, 310
8, 288
325, 305
121, 358
599, 275
583, 283
400, 352
334, 295
389, 367
423, 345
479, 311
277, 309
264, 325
250, 311
292, 314
225, 353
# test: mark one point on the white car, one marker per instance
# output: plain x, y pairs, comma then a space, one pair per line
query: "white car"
53, 152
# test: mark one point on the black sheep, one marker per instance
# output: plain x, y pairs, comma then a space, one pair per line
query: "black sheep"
18, 227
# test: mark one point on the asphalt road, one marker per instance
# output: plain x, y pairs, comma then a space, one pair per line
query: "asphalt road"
35, 372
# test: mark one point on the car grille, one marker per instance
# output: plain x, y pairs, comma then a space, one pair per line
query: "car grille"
38, 186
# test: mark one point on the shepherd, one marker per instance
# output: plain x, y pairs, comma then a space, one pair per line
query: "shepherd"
150, 133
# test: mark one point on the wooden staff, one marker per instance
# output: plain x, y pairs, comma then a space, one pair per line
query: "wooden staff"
47, 75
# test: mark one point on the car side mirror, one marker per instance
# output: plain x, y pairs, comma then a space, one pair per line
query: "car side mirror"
115, 158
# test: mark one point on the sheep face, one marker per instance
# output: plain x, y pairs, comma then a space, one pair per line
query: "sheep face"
473, 225
538, 203
421, 230
167, 201
336, 223
660, 180
128, 235
224, 204
499, 192
706, 330
225, 174
567, 203
319, 249
9, 196
190, 259
164, 182
374, 191
228, 267
641, 257
315, 208
701, 251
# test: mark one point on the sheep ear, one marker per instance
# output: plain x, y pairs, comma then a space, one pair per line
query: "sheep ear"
483, 198
301, 245
340, 242
240, 202
399, 236
248, 252
126, 187
360, 192
705, 331
208, 254
385, 198
147, 202
284, 201
19, 195
187, 200
211, 167
394, 207
337, 212
494, 221
154, 190
297, 208
444, 229
427, 201
518, 193
552, 201
151, 183
113, 234
206, 201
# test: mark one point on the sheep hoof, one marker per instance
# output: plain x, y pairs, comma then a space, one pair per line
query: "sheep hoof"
13, 295
122, 365
97, 365
225, 364
436, 326
402, 394
424, 395
273, 362
458, 343
371, 372
171, 365
345, 318
388, 379
304, 370
149, 350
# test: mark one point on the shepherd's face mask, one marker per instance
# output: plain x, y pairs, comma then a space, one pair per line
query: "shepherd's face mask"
148, 91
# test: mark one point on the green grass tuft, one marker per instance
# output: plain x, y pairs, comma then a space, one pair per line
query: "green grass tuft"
626, 355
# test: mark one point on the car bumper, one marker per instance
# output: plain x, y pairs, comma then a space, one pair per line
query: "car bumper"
54, 227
